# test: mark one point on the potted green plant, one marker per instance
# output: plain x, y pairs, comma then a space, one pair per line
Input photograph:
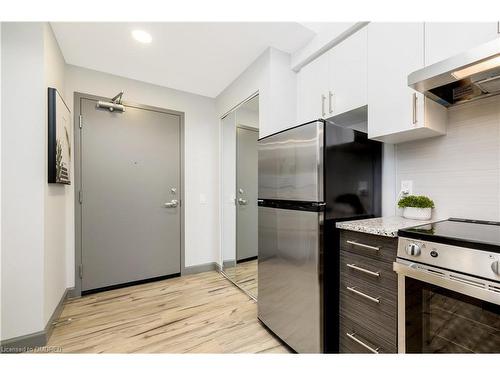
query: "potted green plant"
417, 207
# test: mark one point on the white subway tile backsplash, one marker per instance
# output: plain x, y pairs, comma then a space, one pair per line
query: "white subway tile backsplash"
461, 170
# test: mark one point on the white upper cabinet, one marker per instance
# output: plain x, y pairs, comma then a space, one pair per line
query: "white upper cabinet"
348, 74
446, 39
397, 113
335, 82
372, 66
312, 88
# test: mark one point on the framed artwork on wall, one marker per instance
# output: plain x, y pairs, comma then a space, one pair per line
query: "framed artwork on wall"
59, 139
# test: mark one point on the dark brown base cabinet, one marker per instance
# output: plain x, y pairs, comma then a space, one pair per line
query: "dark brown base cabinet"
368, 293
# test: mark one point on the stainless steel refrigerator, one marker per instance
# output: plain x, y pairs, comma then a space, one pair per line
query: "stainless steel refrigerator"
310, 177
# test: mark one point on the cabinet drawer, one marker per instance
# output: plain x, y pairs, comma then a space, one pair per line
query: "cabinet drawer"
356, 339
358, 303
369, 245
367, 270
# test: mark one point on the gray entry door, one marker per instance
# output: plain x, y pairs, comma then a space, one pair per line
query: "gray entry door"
130, 169
246, 193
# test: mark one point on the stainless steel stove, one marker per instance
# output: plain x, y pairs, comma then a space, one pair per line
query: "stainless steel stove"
449, 287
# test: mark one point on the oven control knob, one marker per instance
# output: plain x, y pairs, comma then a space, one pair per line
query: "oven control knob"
495, 266
413, 249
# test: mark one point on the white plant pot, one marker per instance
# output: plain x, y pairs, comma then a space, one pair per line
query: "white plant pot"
416, 213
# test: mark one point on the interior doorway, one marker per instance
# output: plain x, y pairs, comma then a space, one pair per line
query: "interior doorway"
239, 253
128, 194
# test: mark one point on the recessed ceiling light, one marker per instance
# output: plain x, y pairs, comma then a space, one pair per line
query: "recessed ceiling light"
142, 36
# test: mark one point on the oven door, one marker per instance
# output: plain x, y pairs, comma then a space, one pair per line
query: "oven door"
445, 312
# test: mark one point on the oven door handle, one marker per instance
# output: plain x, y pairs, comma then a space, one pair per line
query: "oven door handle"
473, 287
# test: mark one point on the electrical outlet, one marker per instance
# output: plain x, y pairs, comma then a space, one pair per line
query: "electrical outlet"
407, 187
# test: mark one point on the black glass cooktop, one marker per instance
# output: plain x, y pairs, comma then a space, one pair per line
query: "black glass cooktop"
476, 234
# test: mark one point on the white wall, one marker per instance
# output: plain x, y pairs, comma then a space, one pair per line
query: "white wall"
271, 76
23, 178
252, 80
461, 170
200, 156
56, 195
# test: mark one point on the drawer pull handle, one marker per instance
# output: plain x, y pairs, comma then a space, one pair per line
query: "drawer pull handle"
354, 290
353, 337
361, 269
354, 243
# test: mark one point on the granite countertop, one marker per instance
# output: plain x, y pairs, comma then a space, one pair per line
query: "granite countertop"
383, 226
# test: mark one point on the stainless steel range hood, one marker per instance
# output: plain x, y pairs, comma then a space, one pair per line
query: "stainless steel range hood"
471, 75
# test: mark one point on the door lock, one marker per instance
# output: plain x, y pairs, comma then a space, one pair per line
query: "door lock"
172, 204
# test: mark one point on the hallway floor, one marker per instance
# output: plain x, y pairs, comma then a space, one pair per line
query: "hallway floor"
245, 275
202, 313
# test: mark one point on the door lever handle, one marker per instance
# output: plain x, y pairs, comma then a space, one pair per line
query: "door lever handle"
172, 204
242, 202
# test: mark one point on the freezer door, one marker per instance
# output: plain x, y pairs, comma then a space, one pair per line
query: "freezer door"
291, 164
289, 278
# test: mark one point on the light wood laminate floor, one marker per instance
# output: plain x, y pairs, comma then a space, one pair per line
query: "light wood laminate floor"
202, 313
245, 275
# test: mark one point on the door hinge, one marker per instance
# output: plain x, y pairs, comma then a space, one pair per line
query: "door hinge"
80, 196
80, 271
80, 123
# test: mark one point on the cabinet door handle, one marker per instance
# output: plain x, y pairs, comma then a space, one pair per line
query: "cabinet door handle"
414, 99
330, 105
323, 98
354, 243
353, 337
354, 267
354, 290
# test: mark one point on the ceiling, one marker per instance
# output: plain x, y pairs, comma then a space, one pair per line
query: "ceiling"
201, 58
